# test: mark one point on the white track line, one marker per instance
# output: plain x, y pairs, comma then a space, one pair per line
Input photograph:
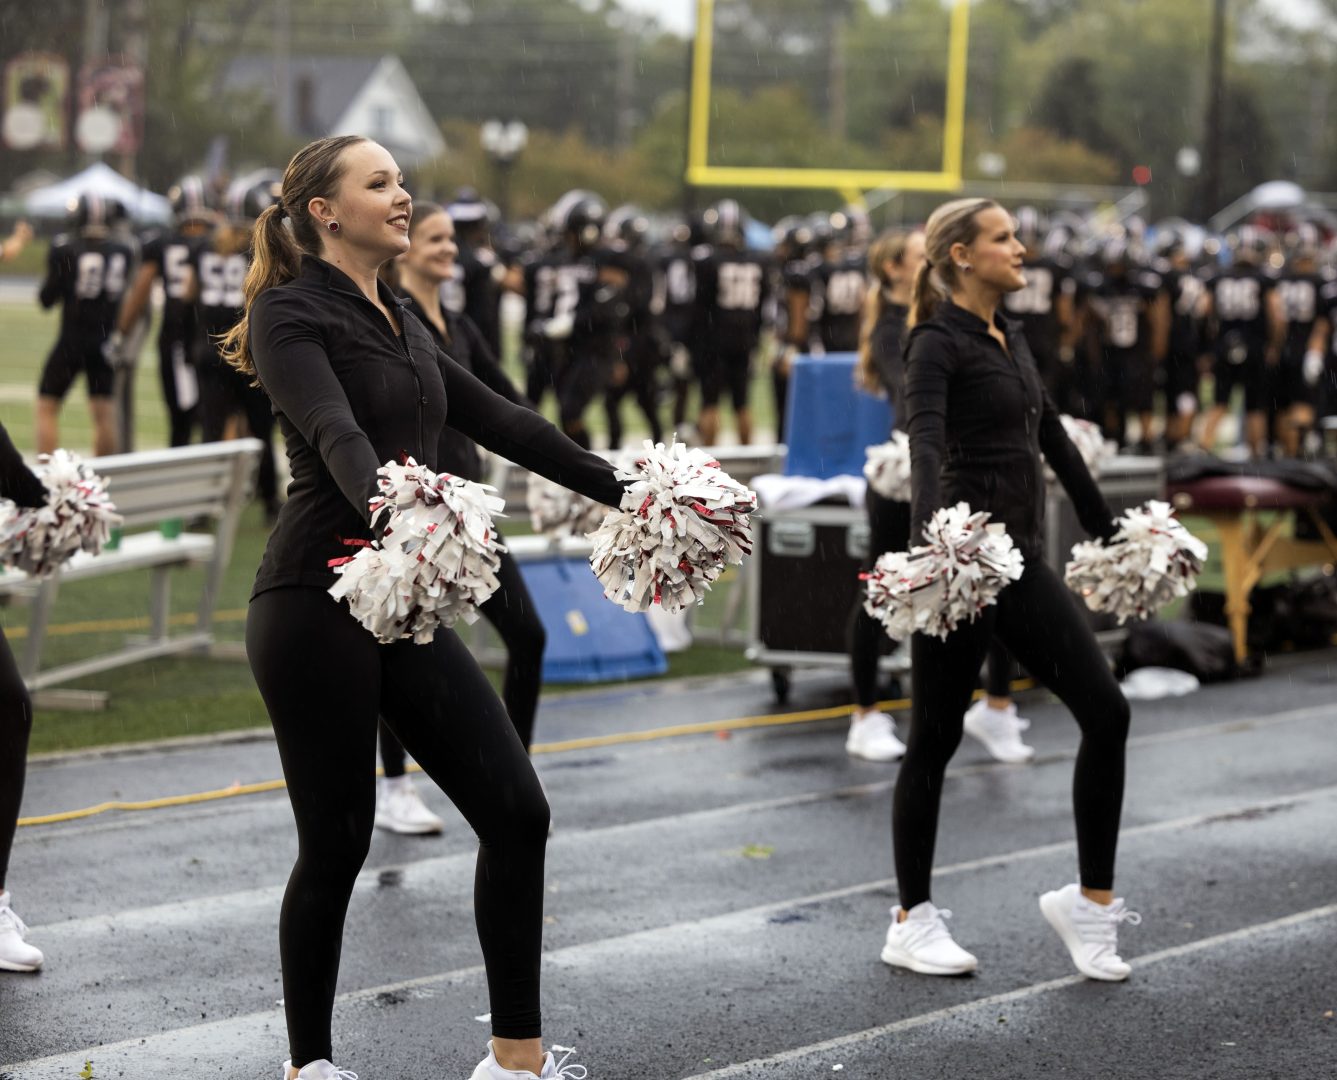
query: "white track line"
1035, 990
247, 1026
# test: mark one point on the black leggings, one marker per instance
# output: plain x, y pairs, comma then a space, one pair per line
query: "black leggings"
511, 611
998, 671
1041, 621
889, 529
325, 680
15, 725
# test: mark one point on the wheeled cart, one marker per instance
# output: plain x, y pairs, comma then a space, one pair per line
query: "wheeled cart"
804, 576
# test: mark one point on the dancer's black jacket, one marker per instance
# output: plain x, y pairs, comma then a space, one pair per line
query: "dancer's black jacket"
888, 347
979, 419
18, 483
455, 452
350, 395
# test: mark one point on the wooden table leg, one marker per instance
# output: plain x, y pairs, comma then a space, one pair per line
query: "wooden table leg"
1235, 564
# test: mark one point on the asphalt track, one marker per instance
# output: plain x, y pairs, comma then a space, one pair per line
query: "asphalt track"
716, 905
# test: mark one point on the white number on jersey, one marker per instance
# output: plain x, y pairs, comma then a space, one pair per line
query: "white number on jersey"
845, 292
1190, 294
96, 274
739, 286
1037, 298
568, 283
1237, 299
1299, 299
1122, 322
175, 270
221, 279
680, 282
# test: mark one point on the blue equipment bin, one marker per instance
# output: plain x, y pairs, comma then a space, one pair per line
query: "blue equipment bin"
590, 639
830, 422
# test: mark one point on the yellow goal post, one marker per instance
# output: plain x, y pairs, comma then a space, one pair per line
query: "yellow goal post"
701, 173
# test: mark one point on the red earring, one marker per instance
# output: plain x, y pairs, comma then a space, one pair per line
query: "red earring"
333, 226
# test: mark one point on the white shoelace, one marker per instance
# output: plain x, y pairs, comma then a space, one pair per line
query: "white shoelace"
1101, 929
565, 1071
8, 914
925, 932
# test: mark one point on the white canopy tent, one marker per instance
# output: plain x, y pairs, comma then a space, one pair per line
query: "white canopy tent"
101, 179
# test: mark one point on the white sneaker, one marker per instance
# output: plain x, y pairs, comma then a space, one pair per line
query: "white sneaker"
319, 1070
400, 809
1000, 731
923, 943
873, 738
15, 953
1090, 931
488, 1069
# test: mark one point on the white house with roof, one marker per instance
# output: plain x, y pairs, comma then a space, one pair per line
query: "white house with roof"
343, 95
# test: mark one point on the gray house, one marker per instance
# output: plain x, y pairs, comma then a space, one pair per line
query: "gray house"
343, 95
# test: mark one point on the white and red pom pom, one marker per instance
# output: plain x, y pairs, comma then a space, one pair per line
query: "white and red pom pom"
1090, 442
682, 521
558, 513
1149, 562
437, 558
938, 585
78, 516
887, 468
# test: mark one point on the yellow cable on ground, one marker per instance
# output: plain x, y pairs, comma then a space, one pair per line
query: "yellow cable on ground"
565, 746
139, 622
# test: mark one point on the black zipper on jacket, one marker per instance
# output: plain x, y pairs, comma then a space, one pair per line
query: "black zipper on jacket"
408, 353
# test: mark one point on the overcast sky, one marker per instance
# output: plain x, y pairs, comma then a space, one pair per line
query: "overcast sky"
679, 15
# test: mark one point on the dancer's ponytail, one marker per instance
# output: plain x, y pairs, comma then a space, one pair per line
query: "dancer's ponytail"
952, 223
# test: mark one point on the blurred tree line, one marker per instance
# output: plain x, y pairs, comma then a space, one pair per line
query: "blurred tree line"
1061, 90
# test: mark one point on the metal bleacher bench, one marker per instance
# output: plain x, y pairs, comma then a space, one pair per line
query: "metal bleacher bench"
158, 488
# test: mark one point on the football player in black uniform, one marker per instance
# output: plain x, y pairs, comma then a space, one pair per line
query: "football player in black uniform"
675, 291
229, 405
1298, 375
731, 290
839, 288
1045, 306
1132, 328
1183, 360
588, 311
481, 273
86, 274
1322, 352
170, 254
1247, 326
792, 268
642, 347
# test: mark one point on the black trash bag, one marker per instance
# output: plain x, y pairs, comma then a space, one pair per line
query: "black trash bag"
1312, 622
1201, 649
1299, 614
1270, 614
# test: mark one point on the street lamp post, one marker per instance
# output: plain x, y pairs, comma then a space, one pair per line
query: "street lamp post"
503, 142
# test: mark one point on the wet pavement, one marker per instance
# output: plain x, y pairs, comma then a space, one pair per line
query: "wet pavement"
716, 905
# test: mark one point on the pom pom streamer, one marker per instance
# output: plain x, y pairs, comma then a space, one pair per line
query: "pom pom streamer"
1090, 442
437, 558
1149, 562
558, 513
681, 522
78, 516
888, 468
936, 586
